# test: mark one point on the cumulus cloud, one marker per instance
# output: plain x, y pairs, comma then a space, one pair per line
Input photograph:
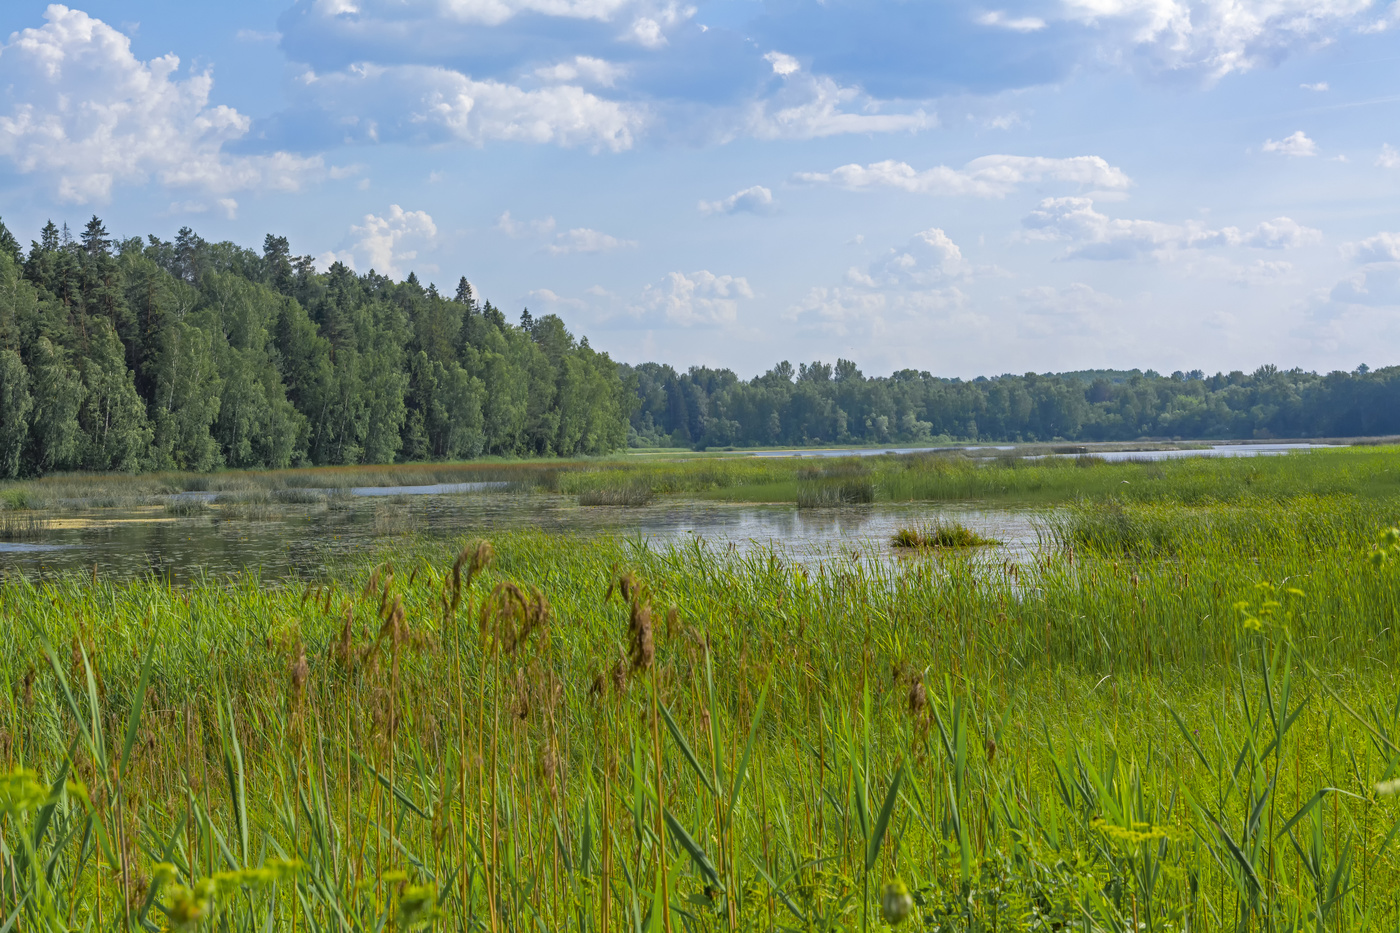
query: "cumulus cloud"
583, 68
1094, 235
1000, 20
577, 240
783, 65
1075, 310
918, 279
928, 258
754, 200
1279, 233
85, 112
1389, 157
401, 103
698, 298
809, 106
1296, 144
1319, 86
385, 243
990, 176
1383, 247
1376, 286
1210, 37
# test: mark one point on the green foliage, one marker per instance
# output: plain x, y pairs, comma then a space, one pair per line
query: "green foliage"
817, 404
192, 355
15, 405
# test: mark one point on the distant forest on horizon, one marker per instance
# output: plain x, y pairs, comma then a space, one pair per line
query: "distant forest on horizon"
150, 354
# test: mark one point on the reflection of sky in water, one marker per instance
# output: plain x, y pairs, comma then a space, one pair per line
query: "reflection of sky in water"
137, 542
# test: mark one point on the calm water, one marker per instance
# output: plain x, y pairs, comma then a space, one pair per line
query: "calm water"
1217, 450
306, 539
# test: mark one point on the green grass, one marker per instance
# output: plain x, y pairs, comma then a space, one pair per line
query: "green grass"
956, 476
1098, 738
942, 534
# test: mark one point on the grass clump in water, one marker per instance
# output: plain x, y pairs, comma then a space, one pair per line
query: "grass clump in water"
942, 534
186, 508
23, 526
624, 494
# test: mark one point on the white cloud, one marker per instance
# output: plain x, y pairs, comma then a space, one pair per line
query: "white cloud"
1297, 144
1279, 233
649, 30
928, 258
515, 229
1210, 37
783, 65
478, 12
85, 112
812, 106
1389, 157
584, 240
991, 176
1094, 235
1000, 20
754, 200
385, 243
918, 279
1261, 272
1383, 247
1378, 286
699, 298
577, 240
419, 102
1319, 86
1076, 310
1389, 19
583, 68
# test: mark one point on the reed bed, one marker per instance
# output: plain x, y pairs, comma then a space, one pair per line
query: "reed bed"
1195, 731
625, 494
24, 526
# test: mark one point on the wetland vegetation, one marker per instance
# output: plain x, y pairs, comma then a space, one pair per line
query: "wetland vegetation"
1179, 710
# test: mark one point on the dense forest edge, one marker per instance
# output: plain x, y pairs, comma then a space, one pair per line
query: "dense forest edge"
135, 355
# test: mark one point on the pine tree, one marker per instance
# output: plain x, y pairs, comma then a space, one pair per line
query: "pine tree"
277, 255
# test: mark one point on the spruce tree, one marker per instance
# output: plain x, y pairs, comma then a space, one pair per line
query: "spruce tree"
95, 240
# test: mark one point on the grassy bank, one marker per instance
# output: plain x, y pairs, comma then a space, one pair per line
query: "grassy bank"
1370, 472
577, 734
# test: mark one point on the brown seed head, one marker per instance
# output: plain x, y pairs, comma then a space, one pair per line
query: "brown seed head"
640, 636
918, 698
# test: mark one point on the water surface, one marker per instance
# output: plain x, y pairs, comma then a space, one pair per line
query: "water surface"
303, 540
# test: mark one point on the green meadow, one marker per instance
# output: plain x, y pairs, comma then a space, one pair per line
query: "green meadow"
1181, 711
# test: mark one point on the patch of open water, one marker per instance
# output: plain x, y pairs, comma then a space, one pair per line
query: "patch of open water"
300, 541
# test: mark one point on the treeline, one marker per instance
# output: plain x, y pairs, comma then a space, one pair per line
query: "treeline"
192, 355
822, 404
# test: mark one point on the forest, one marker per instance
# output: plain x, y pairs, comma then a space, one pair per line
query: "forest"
133, 355
821, 404
190, 355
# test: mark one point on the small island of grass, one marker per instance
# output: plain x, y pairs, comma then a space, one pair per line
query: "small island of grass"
940, 535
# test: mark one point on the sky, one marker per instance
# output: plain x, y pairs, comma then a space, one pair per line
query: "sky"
959, 188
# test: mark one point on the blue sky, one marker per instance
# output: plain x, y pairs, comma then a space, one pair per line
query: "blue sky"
962, 188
